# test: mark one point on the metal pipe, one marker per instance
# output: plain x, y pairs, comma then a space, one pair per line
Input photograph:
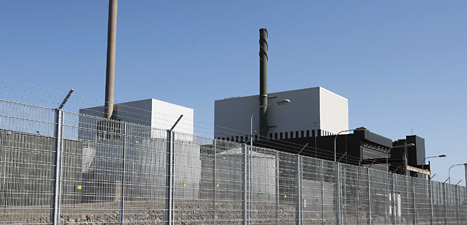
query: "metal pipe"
277, 188
55, 213
263, 80
244, 184
298, 210
122, 197
369, 197
110, 67
214, 183
169, 179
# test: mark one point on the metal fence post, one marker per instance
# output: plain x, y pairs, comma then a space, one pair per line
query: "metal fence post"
407, 192
358, 197
122, 197
55, 214
245, 184
322, 192
298, 210
430, 186
338, 193
457, 205
214, 183
277, 188
369, 196
394, 200
414, 202
169, 181
445, 203
386, 195
344, 193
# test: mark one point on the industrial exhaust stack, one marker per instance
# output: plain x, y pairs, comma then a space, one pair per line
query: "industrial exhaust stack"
263, 80
110, 67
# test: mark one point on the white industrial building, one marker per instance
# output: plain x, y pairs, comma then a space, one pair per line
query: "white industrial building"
142, 138
312, 111
153, 113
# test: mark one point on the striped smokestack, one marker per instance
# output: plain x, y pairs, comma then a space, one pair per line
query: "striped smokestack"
263, 82
110, 67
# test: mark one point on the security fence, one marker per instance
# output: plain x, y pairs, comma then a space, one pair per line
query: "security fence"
66, 168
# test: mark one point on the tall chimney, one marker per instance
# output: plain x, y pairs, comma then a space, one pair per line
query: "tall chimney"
110, 67
263, 82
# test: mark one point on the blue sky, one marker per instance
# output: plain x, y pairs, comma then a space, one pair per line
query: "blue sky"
401, 64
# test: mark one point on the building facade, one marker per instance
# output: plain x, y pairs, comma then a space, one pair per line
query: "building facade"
312, 111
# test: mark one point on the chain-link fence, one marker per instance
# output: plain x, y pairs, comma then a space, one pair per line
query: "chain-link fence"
65, 168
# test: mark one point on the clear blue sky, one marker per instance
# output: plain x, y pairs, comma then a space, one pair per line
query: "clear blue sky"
401, 64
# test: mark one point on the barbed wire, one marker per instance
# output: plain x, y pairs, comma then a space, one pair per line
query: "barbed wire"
54, 97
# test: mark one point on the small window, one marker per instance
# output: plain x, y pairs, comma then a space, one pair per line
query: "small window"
302, 133
286, 135
296, 134
275, 136
307, 133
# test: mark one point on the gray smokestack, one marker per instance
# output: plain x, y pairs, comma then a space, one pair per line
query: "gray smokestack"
110, 68
263, 82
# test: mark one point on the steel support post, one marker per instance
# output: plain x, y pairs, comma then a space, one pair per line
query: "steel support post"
407, 192
277, 188
430, 187
386, 194
457, 205
344, 193
369, 196
169, 181
445, 203
250, 185
322, 192
298, 178
55, 215
358, 197
394, 199
338, 193
414, 202
122, 197
244, 186
214, 182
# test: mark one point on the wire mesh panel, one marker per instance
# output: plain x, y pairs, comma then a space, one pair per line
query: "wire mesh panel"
451, 204
422, 201
263, 196
439, 214
287, 188
186, 188
352, 203
115, 172
27, 163
379, 196
229, 185
462, 206
314, 191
